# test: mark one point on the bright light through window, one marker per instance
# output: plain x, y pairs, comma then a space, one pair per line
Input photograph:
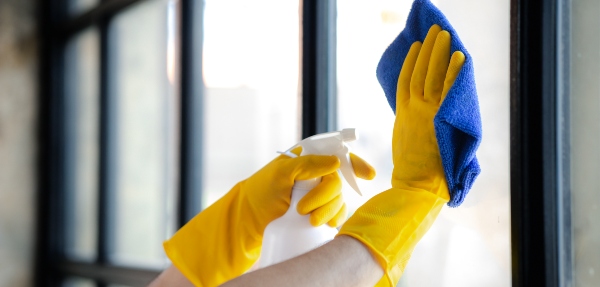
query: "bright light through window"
251, 69
468, 245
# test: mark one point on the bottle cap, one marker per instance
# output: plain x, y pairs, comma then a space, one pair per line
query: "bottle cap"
349, 135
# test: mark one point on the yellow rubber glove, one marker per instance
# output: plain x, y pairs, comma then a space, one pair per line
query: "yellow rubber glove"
391, 223
326, 200
224, 241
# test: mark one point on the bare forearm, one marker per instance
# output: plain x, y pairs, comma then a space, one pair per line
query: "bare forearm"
342, 262
171, 277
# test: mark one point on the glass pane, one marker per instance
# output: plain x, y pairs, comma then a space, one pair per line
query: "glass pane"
585, 141
78, 282
144, 92
82, 144
77, 7
476, 235
251, 74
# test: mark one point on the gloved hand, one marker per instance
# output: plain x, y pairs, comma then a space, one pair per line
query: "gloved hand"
224, 241
391, 223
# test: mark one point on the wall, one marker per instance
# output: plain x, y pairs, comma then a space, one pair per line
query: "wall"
18, 82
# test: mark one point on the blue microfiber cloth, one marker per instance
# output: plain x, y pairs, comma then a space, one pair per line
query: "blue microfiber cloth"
458, 122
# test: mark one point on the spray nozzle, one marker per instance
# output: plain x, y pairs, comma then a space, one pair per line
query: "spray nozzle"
333, 143
349, 135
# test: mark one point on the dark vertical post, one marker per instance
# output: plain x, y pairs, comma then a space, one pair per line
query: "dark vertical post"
107, 145
534, 186
192, 94
318, 66
50, 227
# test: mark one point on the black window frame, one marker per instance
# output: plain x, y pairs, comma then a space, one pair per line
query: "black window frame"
538, 127
539, 143
55, 29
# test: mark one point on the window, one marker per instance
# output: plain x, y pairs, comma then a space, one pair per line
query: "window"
114, 71
143, 125
554, 106
476, 235
82, 111
153, 109
142, 94
251, 107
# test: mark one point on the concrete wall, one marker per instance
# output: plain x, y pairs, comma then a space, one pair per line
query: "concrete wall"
18, 88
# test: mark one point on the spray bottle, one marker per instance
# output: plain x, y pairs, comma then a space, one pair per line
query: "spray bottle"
292, 234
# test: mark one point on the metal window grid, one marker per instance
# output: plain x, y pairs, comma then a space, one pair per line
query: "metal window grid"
56, 28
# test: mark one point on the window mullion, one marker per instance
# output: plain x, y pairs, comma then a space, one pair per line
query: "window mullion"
534, 170
318, 67
51, 173
106, 149
192, 98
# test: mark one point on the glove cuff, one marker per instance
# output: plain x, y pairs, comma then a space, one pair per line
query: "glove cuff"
214, 246
391, 224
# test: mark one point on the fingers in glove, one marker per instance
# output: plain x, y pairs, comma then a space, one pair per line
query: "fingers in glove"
328, 189
310, 166
456, 63
339, 218
362, 169
403, 87
417, 82
438, 65
326, 212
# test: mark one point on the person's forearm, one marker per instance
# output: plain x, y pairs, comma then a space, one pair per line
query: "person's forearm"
171, 277
343, 261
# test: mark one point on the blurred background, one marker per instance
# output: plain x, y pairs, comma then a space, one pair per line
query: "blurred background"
120, 158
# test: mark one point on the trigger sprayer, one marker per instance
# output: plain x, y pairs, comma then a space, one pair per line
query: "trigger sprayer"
292, 234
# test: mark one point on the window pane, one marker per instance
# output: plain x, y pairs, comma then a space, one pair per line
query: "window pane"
585, 141
144, 127
78, 282
475, 236
82, 146
251, 70
77, 7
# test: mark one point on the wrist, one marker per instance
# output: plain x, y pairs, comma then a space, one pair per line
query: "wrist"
391, 224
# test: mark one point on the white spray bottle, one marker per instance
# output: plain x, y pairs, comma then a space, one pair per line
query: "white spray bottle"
292, 234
